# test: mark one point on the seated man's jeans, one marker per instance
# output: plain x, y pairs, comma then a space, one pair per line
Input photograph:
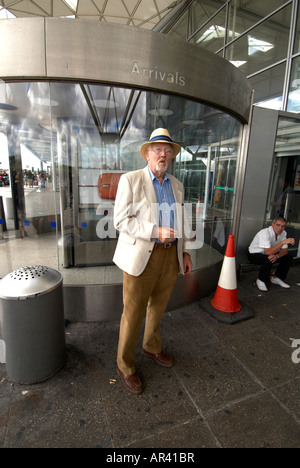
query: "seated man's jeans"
284, 264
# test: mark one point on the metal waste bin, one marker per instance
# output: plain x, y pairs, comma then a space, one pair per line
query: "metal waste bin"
33, 324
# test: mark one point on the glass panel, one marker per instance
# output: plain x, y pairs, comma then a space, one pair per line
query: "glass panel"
64, 147
207, 168
264, 45
179, 30
294, 92
284, 194
211, 36
29, 206
201, 11
297, 34
269, 87
243, 14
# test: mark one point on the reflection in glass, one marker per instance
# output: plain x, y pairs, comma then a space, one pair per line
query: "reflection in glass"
297, 35
212, 35
201, 12
66, 146
244, 14
264, 45
179, 31
294, 91
284, 195
269, 87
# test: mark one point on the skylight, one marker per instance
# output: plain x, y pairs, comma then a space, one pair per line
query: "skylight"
256, 45
238, 63
213, 32
72, 4
5, 14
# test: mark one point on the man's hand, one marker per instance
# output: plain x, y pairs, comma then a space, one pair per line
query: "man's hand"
164, 234
273, 258
281, 253
187, 263
272, 251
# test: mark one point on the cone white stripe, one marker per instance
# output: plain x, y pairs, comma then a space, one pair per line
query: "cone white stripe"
227, 278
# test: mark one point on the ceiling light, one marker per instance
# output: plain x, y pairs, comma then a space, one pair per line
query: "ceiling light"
8, 107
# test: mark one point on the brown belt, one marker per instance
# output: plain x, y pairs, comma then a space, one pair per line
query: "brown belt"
166, 245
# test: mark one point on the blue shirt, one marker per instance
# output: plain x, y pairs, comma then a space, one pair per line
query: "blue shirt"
166, 201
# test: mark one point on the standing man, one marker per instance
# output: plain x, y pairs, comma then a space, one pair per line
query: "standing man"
151, 251
270, 246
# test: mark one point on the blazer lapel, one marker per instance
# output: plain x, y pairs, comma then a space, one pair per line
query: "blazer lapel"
148, 186
150, 195
179, 203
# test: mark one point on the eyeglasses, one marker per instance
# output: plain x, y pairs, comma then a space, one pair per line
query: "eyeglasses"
159, 151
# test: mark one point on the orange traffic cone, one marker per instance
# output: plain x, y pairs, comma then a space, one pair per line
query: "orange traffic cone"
226, 297
225, 306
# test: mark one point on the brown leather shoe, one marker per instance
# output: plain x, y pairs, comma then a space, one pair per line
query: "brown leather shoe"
131, 382
162, 358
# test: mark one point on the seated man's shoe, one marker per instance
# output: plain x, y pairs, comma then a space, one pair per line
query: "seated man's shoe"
261, 285
131, 382
279, 282
162, 358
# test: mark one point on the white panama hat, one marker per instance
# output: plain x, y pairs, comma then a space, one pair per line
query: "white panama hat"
160, 135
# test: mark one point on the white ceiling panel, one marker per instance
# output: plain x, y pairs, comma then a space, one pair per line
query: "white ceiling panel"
140, 13
87, 8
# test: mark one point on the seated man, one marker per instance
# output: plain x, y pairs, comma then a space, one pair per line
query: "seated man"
270, 246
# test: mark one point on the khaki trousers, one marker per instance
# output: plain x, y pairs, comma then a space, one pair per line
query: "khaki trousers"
147, 294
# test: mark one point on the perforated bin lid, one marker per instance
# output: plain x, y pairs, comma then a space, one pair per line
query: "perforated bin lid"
29, 282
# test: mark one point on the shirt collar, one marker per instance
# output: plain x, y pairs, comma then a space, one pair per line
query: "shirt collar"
279, 236
271, 230
155, 178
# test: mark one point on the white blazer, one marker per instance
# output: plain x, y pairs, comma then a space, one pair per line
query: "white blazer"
135, 215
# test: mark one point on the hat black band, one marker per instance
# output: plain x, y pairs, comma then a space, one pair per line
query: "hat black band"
165, 138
